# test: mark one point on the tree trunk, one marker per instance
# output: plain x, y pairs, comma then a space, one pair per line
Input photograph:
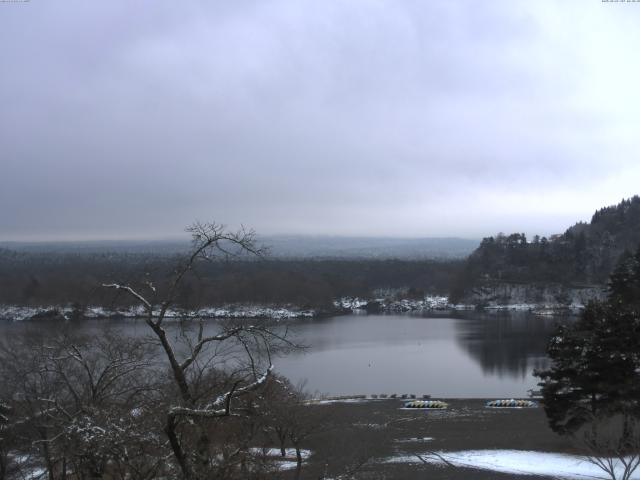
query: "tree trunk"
626, 432
170, 430
3, 466
298, 462
178, 373
46, 454
203, 449
282, 438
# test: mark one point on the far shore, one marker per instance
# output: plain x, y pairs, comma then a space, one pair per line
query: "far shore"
343, 306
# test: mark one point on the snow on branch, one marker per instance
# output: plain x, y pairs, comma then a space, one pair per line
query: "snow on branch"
130, 291
223, 400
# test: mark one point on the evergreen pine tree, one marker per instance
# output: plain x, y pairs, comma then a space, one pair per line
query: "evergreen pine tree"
596, 361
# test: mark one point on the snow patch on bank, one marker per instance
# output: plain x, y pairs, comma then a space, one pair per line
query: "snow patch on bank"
341, 305
338, 400
288, 462
27, 468
275, 452
519, 462
414, 440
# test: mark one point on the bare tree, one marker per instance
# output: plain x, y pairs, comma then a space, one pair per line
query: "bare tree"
72, 399
4, 432
187, 401
191, 420
613, 444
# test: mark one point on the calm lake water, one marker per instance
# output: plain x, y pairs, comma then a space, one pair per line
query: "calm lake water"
464, 354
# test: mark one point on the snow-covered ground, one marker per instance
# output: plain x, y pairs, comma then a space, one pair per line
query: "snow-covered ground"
338, 400
275, 452
29, 470
393, 305
288, 462
414, 440
519, 462
18, 313
428, 303
353, 304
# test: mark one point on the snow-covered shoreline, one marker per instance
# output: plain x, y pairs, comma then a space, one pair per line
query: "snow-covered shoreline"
441, 303
21, 313
344, 305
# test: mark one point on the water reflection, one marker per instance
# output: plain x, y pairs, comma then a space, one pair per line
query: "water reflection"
465, 354
506, 343
462, 354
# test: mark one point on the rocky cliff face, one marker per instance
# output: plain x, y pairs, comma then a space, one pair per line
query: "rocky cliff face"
536, 295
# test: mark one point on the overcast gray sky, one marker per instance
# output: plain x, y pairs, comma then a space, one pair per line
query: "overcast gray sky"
123, 119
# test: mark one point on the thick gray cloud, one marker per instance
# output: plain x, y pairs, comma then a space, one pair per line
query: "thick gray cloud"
396, 118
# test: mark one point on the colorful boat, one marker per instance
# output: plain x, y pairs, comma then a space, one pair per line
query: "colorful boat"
511, 403
430, 404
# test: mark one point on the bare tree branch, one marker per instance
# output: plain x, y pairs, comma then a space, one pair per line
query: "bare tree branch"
131, 292
211, 411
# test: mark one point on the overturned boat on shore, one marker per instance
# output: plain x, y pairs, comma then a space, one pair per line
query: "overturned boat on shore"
511, 403
427, 404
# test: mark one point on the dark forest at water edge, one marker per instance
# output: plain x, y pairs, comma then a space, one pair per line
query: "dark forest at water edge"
54, 279
585, 254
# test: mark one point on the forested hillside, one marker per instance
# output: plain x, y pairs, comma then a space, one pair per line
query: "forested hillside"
53, 278
583, 255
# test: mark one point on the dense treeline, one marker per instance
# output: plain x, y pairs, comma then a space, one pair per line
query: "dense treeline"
66, 278
585, 254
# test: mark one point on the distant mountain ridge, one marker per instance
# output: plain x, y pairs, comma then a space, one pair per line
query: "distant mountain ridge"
585, 254
299, 246
280, 246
